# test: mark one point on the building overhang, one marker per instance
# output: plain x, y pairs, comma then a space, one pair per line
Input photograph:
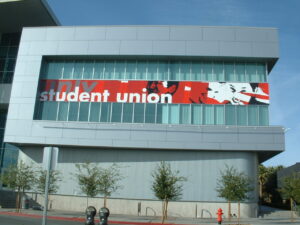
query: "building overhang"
14, 15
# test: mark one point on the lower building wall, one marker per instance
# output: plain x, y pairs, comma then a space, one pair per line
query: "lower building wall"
148, 207
201, 168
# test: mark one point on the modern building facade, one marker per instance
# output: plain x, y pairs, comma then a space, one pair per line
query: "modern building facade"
196, 97
29, 13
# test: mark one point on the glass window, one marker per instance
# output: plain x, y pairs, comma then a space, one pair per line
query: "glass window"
174, 114
185, 71
261, 72
174, 71
207, 71
150, 113
63, 111
251, 72
152, 71
229, 72
163, 71
141, 70
197, 114
130, 70
54, 70
219, 115
78, 70
73, 111
99, 70
242, 115
263, 115
49, 110
105, 112
11, 65
185, 114
127, 112
116, 112
218, 70
84, 111
240, 71
120, 70
252, 115
196, 71
139, 111
88, 70
230, 115
95, 111
68, 70
208, 114
109, 70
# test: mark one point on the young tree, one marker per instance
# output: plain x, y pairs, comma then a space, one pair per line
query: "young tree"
108, 181
291, 190
19, 177
53, 181
233, 186
88, 178
167, 186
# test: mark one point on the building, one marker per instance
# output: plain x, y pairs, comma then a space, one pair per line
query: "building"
194, 96
29, 13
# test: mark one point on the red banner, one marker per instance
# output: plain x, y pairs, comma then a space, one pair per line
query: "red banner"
172, 92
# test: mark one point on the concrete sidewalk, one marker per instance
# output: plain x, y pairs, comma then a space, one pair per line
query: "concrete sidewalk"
143, 220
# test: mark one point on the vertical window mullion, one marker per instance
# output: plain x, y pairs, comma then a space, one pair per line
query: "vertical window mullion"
100, 111
103, 71
93, 71
135, 70
147, 70
122, 111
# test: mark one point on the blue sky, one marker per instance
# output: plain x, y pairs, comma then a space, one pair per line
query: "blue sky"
284, 15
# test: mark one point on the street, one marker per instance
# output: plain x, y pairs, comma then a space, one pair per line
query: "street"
20, 220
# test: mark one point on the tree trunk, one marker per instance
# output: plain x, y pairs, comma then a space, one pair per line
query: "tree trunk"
166, 209
17, 201
239, 212
104, 201
292, 216
87, 201
229, 211
260, 191
163, 212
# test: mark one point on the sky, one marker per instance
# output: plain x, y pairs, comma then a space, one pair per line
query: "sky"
284, 79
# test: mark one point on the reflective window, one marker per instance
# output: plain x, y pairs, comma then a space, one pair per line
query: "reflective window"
149, 70
9, 44
251, 115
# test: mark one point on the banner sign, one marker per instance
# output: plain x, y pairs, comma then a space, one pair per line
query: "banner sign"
171, 92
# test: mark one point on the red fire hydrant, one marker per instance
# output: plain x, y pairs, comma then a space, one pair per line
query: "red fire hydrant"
219, 218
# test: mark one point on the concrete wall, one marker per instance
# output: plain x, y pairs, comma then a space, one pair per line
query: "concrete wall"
201, 168
148, 208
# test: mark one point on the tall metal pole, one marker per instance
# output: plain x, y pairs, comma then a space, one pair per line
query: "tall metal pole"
47, 187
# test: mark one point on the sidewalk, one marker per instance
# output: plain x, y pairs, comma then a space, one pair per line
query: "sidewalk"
143, 220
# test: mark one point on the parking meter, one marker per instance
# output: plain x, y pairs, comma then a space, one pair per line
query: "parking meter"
103, 214
90, 215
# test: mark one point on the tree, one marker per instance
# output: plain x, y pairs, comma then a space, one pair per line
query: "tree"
19, 177
167, 186
88, 178
267, 178
41, 180
94, 180
291, 189
233, 186
108, 181
263, 175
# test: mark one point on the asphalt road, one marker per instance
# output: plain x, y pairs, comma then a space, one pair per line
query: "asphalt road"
18, 220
